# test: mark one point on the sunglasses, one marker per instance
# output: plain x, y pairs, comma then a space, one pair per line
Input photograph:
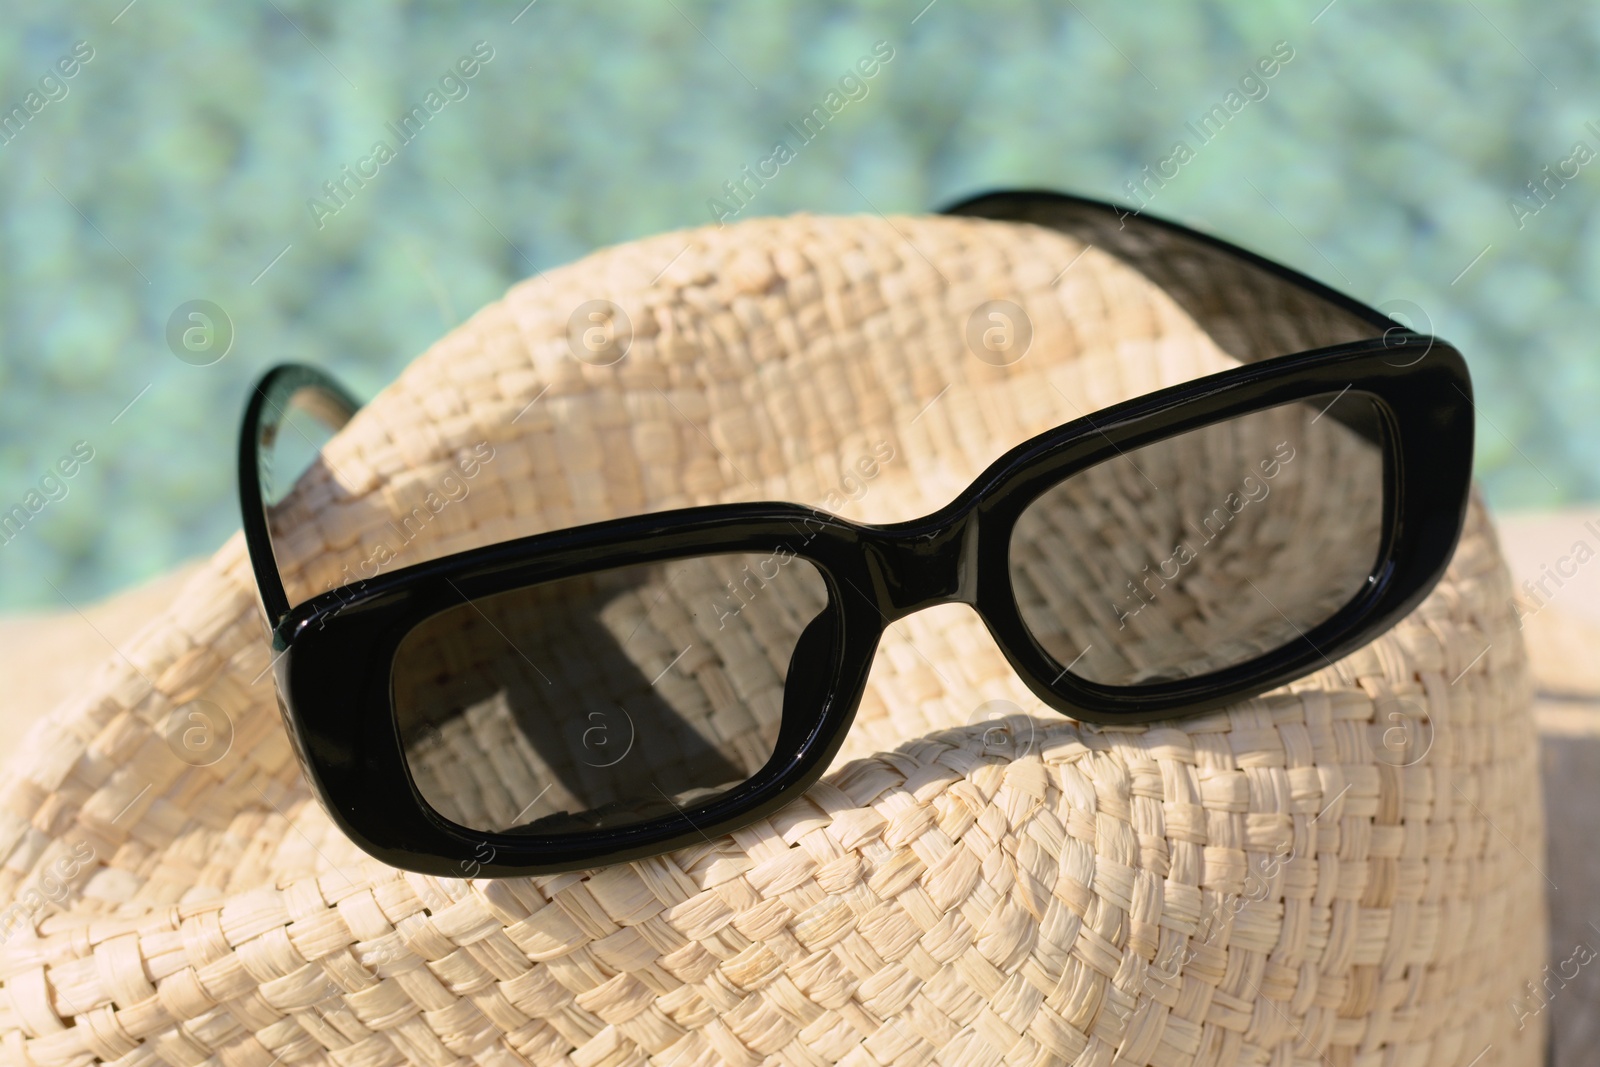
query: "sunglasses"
626, 688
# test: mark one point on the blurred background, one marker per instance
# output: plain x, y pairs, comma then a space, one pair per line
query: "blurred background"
180, 170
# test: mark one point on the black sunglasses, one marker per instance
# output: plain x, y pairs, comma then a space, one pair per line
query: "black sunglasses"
639, 685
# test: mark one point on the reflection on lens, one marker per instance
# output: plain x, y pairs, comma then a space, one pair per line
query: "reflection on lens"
603, 700
1207, 549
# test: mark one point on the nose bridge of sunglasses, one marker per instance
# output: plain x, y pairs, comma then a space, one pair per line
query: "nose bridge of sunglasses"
916, 566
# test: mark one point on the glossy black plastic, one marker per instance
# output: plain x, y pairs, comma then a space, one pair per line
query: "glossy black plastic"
334, 653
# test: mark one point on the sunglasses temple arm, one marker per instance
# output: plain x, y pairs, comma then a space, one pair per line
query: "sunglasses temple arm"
280, 390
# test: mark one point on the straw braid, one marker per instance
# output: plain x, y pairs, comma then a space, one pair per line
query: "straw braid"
1268, 884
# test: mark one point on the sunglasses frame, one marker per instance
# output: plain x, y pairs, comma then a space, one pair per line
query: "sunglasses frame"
333, 654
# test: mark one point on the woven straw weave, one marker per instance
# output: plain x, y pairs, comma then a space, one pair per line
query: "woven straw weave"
978, 880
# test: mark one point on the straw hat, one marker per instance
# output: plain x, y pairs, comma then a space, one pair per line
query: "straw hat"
977, 880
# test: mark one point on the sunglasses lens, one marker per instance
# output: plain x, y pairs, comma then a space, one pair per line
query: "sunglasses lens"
604, 700
1205, 550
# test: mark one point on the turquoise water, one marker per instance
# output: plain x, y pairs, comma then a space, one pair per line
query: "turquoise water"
184, 159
